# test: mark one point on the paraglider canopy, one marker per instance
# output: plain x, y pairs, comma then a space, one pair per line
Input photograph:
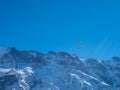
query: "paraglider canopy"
78, 43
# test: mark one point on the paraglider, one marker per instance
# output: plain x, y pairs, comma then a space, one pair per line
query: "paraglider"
78, 43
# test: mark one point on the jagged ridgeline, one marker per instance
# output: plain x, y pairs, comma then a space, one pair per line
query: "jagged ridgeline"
32, 70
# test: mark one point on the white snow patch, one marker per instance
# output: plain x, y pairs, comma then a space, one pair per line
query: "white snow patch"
78, 78
87, 83
29, 70
105, 83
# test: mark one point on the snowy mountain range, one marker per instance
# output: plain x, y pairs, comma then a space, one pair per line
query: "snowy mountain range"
32, 70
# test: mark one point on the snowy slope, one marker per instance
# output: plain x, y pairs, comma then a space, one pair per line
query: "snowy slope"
31, 70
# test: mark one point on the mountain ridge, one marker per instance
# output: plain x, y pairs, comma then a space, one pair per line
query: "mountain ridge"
32, 70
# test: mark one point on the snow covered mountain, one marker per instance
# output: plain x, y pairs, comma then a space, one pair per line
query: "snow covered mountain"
32, 70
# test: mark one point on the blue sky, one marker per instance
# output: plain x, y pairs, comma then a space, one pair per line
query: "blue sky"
45, 25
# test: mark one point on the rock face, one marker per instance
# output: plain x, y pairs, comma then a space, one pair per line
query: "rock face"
32, 70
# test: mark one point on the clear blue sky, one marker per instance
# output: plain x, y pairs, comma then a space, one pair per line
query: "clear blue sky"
45, 25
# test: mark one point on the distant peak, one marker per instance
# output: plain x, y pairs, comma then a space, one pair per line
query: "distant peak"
117, 59
52, 52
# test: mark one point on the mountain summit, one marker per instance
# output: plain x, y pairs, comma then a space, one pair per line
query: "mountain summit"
32, 70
